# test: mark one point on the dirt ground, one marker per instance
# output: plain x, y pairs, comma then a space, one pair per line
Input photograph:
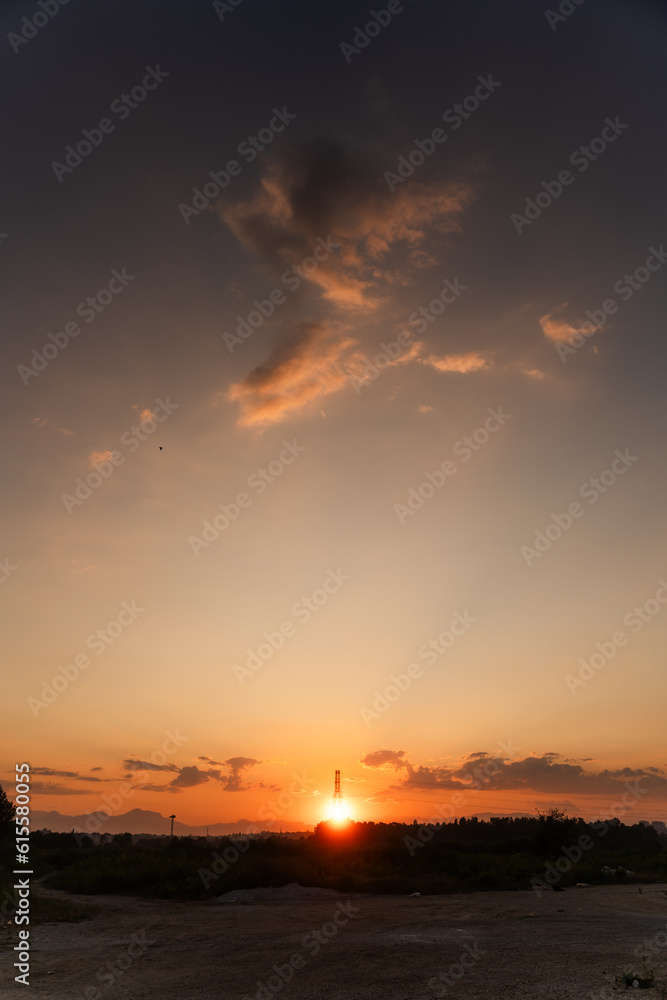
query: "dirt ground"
495, 945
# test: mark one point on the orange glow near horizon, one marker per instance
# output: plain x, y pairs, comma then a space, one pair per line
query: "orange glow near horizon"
338, 811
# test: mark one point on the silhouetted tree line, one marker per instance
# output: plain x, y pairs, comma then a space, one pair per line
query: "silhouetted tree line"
461, 855
542, 835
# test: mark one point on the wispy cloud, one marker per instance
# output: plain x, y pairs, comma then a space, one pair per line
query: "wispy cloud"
146, 765
559, 330
473, 361
53, 773
53, 788
96, 457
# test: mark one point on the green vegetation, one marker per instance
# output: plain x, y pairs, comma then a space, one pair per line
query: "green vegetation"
642, 979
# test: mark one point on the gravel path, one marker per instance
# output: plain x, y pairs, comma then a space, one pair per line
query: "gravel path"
473, 946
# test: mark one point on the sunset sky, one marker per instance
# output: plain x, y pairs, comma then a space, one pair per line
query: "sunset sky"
437, 538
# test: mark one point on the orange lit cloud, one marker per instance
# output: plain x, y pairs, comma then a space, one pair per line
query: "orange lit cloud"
325, 191
96, 457
321, 209
380, 361
523, 368
316, 362
560, 331
144, 415
313, 363
41, 422
412, 354
463, 363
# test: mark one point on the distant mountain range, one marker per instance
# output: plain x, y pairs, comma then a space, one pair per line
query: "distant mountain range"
144, 821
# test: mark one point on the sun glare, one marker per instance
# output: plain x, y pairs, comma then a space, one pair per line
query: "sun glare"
338, 812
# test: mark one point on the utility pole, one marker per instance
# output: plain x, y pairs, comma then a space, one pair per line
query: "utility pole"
171, 834
337, 794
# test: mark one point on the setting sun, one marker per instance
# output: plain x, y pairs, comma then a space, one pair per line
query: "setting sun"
338, 811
